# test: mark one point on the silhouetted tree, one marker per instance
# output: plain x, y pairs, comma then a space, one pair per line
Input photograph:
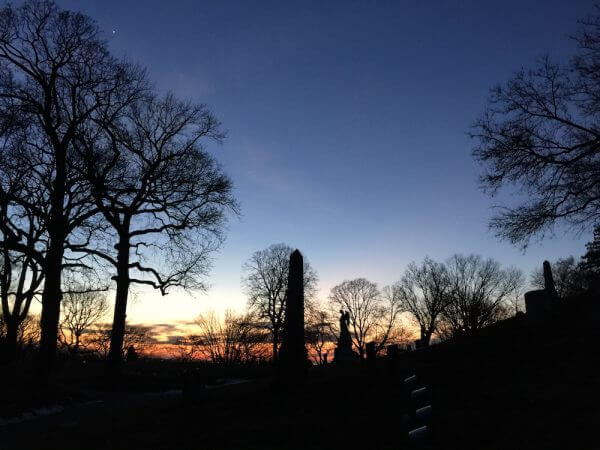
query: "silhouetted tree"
236, 338
139, 337
81, 308
540, 132
372, 316
266, 287
162, 193
391, 330
480, 292
56, 76
186, 347
319, 331
517, 298
591, 259
424, 292
28, 333
20, 275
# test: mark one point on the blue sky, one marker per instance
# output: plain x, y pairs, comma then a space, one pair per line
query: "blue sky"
347, 124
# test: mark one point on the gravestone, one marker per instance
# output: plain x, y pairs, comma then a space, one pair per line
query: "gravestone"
293, 358
418, 435
542, 303
424, 414
343, 351
419, 397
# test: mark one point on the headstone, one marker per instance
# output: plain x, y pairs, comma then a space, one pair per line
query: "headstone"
410, 381
418, 393
418, 435
542, 303
293, 358
424, 413
419, 398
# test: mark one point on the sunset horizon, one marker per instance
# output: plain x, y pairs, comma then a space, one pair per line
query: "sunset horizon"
299, 225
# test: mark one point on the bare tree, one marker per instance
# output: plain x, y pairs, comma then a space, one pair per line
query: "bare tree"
28, 333
591, 258
162, 193
137, 336
517, 298
540, 132
372, 316
266, 282
20, 280
319, 331
21, 273
56, 75
236, 338
391, 329
81, 308
424, 292
480, 292
186, 347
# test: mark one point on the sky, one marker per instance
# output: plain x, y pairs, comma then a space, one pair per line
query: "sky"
347, 125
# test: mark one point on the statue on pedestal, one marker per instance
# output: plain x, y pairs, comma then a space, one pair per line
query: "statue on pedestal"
343, 350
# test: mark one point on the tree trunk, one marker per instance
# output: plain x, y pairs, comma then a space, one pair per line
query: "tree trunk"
51, 297
10, 341
427, 338
49, 321
275, 346
115, 354
76, 346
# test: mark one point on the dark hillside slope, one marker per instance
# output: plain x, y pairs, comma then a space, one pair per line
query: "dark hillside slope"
519, 384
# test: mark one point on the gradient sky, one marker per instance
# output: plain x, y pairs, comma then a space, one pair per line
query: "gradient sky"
346, 124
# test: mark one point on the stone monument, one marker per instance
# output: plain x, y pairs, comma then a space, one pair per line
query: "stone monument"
343, 350
293, 359
542, 302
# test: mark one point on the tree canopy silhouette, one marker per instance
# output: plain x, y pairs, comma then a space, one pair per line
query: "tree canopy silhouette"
56, 75
424, 291
112, 174
373, 317
480, 292
540, 132
163, 195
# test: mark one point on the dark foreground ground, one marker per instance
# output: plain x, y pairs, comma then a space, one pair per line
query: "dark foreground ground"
333, 410
514, 386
